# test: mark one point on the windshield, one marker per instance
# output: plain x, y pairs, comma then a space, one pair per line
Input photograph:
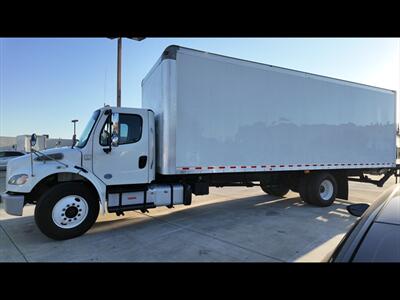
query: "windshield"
88, 129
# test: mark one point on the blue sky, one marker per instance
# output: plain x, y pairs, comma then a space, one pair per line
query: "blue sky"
45, 83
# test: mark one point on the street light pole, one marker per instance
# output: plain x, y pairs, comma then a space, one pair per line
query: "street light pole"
119, 72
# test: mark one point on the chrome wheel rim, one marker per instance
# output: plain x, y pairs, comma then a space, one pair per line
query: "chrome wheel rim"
70, 211
326, 190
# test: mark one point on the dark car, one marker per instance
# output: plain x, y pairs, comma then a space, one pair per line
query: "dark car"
376, 235
5, 156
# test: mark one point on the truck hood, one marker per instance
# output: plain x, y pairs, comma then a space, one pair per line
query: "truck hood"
66, 155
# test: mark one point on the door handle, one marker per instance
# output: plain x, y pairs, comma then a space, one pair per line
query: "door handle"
142, 161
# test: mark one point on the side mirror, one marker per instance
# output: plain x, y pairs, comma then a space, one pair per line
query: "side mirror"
114, 140
114, 129
357, 209
33, 140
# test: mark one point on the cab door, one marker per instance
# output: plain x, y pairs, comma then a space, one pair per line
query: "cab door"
127, 161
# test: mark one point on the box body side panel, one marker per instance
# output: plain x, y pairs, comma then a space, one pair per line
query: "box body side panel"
234, 114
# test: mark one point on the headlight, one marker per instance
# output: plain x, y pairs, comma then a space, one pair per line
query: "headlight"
18, 179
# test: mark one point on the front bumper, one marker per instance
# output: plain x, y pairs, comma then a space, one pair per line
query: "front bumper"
13, 204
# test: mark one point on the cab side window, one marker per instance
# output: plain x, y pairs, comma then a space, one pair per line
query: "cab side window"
130, 130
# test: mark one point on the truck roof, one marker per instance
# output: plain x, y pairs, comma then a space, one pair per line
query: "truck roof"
171, 50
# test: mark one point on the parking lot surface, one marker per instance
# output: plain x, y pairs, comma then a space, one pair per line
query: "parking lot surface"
232, 224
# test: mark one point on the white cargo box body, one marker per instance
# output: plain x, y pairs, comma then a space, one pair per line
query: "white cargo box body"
219, 114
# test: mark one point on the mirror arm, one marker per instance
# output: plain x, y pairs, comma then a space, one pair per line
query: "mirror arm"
108, 150
32, 143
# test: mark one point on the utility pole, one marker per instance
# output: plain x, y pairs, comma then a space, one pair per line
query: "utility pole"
119, 66
119, 72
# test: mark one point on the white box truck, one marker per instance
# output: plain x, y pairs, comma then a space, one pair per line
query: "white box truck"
210, 120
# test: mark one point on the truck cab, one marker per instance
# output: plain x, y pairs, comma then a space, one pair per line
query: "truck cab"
117, 146
111, 165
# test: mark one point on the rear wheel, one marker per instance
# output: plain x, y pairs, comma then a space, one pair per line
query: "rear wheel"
321, 189
66, 210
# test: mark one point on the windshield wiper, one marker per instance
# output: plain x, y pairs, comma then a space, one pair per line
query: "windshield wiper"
40, 157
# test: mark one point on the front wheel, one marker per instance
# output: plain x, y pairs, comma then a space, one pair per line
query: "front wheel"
66, 210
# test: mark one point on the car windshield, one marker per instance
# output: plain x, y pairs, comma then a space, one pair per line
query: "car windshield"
88, 129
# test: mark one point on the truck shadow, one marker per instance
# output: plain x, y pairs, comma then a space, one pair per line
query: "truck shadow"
264, 227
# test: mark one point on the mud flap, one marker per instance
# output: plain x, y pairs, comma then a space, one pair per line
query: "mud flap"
342, 186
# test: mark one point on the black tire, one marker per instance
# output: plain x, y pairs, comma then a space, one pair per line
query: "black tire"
47, 201
303, 188
315, 189
279, 190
